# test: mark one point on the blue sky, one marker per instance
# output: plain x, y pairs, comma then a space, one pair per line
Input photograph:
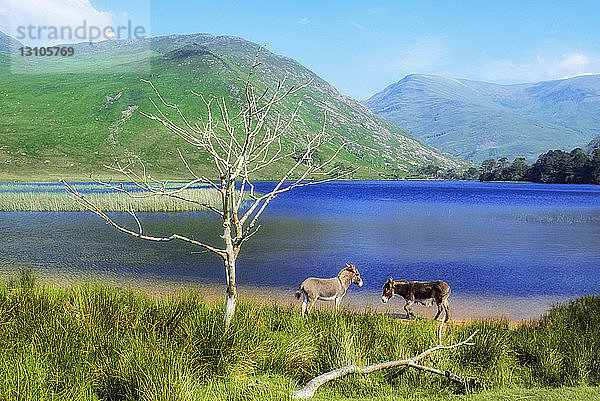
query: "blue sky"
363, 46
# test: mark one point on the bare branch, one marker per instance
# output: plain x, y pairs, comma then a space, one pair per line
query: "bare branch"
187, 166
260, 203
311, 387
75, 195
132, 213
147, 190
246, 236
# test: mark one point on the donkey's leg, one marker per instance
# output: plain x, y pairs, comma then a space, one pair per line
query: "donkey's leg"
337, 303
440, 307
447, 307
304, 302
407, 306
311, 303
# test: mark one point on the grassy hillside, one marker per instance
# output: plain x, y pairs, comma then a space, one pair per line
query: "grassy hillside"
101, 343
478, 120
67, 116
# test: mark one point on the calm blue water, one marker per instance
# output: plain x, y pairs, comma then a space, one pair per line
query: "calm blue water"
482, 238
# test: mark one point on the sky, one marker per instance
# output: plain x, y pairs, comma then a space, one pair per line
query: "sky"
361, 47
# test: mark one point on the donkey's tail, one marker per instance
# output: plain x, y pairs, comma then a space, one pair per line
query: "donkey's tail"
298, 293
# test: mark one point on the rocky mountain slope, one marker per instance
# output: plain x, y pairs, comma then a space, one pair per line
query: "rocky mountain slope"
479, 120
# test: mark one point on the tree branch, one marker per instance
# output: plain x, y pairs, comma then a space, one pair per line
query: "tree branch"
311, 387
148, 190
76, 196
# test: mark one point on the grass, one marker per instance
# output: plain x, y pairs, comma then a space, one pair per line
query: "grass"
559, 218
522, 394
61, 124
53, 197
96, 342
108, 201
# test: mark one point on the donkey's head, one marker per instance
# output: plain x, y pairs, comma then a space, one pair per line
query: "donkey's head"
353, 271
388, 290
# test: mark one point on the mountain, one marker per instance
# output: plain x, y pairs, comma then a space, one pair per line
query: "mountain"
478, 120
8, 44
69, 115
593, 145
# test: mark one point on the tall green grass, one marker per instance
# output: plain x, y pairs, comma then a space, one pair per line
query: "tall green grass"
109, 201
97, 342
563, 348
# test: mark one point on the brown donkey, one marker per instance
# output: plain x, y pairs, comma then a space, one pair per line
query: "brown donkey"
424, 293
328, 289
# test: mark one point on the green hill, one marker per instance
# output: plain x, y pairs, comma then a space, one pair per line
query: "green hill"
67, 116
478, 120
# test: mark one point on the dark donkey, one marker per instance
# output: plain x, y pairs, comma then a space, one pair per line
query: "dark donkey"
424, 293
328, 289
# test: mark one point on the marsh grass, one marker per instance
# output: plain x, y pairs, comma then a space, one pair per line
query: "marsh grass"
23, 197
84, 187
27, 187
96, 342
559, 218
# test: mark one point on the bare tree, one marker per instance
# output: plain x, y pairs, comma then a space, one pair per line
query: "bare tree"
240, 147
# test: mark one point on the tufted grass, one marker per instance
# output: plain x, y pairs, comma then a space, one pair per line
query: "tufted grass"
97, 342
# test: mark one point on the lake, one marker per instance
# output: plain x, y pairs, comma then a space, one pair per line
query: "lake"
503, 240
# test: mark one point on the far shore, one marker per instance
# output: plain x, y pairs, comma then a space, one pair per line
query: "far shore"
462, 306
55, 178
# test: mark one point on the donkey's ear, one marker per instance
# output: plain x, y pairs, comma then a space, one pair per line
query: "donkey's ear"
347, 265
391, 279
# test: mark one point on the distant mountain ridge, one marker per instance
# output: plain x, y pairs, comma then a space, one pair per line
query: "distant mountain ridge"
479, 120
72, 115
8, 44
593, 145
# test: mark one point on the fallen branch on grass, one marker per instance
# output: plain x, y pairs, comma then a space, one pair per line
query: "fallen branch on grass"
311, 387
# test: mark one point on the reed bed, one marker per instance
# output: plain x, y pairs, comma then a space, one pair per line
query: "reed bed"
19, 187
559, 218
82, 186
42, 199
96, 342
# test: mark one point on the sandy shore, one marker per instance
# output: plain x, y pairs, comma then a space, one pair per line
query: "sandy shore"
462, 306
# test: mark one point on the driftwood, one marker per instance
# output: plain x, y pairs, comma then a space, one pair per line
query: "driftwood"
311, 387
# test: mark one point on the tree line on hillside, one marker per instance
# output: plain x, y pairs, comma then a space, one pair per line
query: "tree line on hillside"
553, 167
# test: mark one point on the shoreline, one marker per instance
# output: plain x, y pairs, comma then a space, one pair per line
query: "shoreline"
55, 178
463, 307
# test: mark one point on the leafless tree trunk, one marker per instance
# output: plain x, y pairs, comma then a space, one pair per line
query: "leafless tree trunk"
311, 387
240, 147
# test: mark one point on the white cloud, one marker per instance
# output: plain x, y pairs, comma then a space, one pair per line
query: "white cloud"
376, 10
357, 25
304, 21
542, 68
573, 62
52, 13
421, 57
